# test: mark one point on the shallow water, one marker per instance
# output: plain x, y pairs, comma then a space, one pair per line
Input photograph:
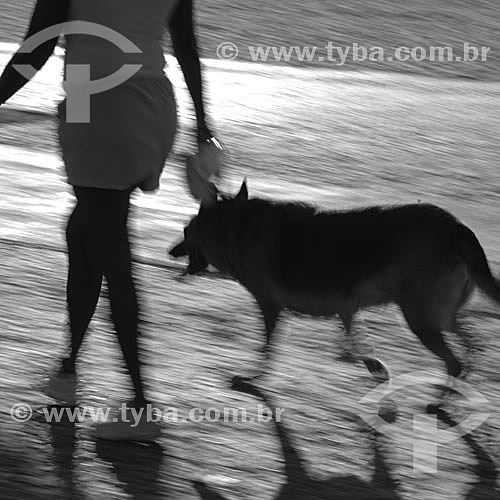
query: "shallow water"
376, 23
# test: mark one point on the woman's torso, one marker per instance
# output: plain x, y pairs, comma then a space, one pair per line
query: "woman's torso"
141, 22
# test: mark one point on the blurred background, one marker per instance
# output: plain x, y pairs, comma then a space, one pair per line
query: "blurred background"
380, 23
339, 136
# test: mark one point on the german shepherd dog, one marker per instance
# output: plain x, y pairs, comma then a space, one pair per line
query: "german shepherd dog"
292, 256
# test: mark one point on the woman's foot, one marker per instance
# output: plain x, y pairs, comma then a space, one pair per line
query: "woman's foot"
61, 386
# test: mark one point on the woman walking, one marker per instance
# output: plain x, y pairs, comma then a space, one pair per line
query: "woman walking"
123, 147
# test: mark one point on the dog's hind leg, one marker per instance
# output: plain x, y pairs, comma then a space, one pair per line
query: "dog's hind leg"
430, 334
458, 326
430, 306
461, 329
375, 366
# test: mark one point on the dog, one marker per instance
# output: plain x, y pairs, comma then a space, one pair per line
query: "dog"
292, 256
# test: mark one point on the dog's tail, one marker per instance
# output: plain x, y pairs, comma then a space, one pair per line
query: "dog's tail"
472, 253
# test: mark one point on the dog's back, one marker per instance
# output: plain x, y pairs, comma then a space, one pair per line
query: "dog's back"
313, 261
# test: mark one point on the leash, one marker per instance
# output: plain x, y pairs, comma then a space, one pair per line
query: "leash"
167, 264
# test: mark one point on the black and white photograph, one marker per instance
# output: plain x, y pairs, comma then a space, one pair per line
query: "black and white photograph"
249, 251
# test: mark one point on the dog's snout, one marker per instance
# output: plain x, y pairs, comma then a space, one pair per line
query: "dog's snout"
179, 250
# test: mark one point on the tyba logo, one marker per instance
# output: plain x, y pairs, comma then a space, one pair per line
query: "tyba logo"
77, 83
425, 435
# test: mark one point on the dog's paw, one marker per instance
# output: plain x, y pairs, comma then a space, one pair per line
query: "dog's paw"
434, 408
182, 277
241, 384
378, 369
388, 410
347, 356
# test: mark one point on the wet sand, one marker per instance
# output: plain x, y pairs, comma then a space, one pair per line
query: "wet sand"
349, 139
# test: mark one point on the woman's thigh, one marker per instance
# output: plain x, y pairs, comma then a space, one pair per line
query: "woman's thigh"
103, 216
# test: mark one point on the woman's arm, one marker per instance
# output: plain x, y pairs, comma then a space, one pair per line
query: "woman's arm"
47, 13
186, 52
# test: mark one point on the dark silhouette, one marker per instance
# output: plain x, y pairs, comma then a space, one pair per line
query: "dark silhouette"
136, 466
292, 256
63, 436
299, 486
485, 487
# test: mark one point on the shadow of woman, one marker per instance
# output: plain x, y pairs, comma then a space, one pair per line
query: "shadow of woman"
63, 438
299, 486
137, 466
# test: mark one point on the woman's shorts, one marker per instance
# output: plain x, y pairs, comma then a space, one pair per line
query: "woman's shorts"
131, 132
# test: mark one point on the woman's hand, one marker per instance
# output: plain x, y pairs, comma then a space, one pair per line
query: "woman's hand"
47, 13
204, 169
205, 166
204, 133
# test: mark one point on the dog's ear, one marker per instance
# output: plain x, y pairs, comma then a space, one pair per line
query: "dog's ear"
243, 193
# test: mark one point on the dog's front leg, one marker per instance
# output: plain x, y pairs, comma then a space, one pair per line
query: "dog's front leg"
356, 344
360, 348
347, 346
270, 313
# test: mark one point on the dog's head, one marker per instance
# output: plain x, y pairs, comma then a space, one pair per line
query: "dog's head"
190, 246
200, 235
